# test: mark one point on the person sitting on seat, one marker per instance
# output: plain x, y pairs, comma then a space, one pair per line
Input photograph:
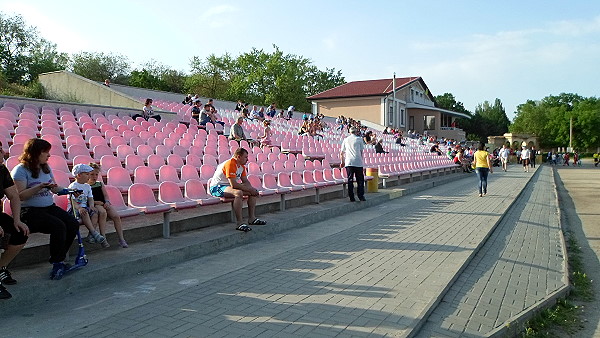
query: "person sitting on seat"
230, 181
379, 147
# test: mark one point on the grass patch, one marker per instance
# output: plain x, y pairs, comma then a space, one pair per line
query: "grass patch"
564, 317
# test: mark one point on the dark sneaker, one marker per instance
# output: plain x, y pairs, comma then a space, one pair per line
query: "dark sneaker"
362, 199
58, 271
4, 294
6, 278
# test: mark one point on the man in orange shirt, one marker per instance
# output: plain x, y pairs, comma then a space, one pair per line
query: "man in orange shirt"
230, 181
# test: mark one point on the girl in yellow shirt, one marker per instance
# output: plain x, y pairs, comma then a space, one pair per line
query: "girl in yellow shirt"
483, 166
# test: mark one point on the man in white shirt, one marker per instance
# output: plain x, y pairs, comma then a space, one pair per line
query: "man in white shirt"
504, 152
351, 156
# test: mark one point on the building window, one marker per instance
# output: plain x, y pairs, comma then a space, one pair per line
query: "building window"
411, 123
428, 122
390, 121
402, 117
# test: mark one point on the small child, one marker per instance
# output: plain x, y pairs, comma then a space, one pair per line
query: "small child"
103, 205
83, 203
265, 139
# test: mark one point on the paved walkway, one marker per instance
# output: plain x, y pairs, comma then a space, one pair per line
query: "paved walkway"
518, 267
379, 271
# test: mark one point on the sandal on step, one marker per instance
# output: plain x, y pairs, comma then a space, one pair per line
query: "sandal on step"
243, 227
258, 221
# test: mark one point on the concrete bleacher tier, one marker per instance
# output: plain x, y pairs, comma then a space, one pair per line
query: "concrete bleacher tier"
160, 167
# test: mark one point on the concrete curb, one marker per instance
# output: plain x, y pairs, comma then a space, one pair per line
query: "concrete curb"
422, 318
34, 287
514, 325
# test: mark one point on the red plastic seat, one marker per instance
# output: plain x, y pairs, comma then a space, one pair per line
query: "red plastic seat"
169, 173
155, 162
146, 176
256, 182
193, 160
62, 178
284, 181
170, 193
116, 200
140, 196
123, 150
270, 182
83, 159
206, 172
144, 150
194, 190
175, 161
132, 162
119, 177
101, 150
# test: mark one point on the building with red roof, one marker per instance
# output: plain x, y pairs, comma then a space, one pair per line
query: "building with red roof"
405, 103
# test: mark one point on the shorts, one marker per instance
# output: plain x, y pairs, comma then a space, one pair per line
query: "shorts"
90, 211
218, 190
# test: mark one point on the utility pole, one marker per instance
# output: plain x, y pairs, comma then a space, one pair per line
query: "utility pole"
571, 134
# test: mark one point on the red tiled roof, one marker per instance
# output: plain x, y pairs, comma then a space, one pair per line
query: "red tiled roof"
364, 88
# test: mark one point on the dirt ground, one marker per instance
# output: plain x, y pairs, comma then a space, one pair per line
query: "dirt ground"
579, 199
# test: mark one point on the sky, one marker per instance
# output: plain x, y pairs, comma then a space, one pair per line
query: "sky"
477, 50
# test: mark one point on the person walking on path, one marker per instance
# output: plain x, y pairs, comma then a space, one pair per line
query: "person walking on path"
525, 155
351, 156
482, 168
504, 153
230, 181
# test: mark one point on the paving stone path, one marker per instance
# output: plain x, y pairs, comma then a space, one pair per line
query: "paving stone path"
520, 264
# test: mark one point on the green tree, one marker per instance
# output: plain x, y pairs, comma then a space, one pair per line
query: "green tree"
469, 125
155, 75
23, 53
495, 121
210, 77
98, 66
549, 119
261, 77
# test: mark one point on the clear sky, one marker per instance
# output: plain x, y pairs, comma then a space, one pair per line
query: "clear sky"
477, 50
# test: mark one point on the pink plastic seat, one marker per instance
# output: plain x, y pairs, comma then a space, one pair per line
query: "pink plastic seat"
116, 200
189, 172
175, 161
162, 151
101, 150
136, 141
119, 177
169, 173
193, 160
256, 182
320, 179
209, 160
284, 181
12, 161
297, 178
76, 150
179, 151
270, 182
96, 140
328, 175
279, 167
155, 162
141, 196
194, 190
123, 150
109, 161
253, 168
170, 193
144, 150
62, 178
146, 176
133, 161
83, 159
21, 138
206, 172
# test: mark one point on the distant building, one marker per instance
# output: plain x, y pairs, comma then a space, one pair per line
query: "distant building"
411, 108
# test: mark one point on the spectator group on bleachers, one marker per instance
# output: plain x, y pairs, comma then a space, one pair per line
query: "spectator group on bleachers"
147, 165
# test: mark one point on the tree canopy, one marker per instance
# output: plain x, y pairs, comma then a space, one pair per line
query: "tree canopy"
549, 119
23, 53
99, 66
261, 78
